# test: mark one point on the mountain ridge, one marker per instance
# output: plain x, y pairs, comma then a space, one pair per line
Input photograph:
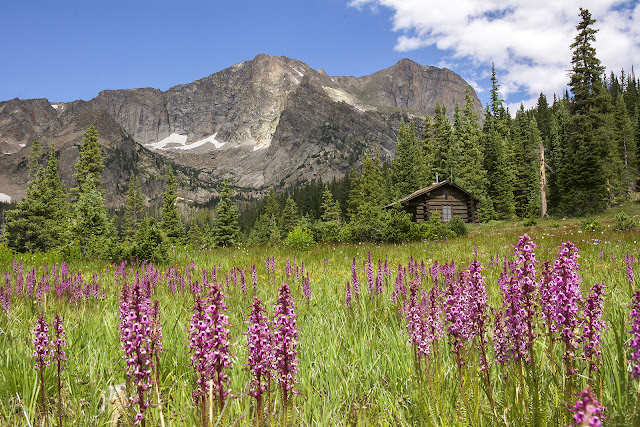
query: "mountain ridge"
268, 121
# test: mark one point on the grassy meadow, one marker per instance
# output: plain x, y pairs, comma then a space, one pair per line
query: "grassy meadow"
356, 365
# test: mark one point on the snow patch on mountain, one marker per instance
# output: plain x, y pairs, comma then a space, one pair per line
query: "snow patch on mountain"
176, 141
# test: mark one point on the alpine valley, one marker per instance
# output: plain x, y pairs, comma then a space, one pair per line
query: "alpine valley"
269, 121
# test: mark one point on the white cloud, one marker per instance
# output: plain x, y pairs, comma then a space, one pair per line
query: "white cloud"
529, 42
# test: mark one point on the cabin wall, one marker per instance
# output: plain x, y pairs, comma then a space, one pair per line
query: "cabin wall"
421, 208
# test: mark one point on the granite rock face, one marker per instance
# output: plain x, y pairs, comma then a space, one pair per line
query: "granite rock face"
267, 121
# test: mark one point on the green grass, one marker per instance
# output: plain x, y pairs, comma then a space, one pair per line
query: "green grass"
356, 367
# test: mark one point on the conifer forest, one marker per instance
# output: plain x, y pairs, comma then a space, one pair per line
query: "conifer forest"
325, 303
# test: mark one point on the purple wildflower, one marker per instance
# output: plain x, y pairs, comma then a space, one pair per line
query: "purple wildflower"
501, 345
458, 317
41, 352
567, 288
286, 340
354, 276
135, 334
210, 347
628, 259
370, 279
306, 289
587, 410
59, 341
414, 323
260, 344
5, 293
592, 324
59, 356
41, 344
254, 277
478, 307
634, 344
348, 296
380, 279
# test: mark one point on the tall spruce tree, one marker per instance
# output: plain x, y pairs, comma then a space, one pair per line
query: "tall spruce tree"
133, 209
290, 217
441, 141
226, 231
498, 156
625, 143
583, 179
405, 167
471, 174
39, 221
526, 140
171, 222
330, 207
92, 233
90, 160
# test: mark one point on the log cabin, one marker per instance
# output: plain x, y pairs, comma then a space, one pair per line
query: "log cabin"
449, 199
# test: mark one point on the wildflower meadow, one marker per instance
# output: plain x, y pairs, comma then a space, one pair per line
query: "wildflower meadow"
509, 326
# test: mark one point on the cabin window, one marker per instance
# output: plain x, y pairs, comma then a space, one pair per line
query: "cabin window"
446, 213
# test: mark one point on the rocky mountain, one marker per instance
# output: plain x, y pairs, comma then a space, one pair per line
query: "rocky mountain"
267, 121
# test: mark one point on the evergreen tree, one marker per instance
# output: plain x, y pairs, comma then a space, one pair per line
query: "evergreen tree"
330, 207
196, 236
405, 168
526, 140
272, 207
625, 143
133, 209
90, 160
471, 174
558, 137
583, 179
440, 142
171, 223
39, 220
91, 233
226, 231
365, 189
290, 217
454, 154
543, 117
498, 156
428, 155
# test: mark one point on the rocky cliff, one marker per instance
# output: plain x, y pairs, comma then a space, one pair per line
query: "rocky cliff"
267, 121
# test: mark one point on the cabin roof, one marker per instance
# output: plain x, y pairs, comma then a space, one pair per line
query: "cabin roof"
431, 188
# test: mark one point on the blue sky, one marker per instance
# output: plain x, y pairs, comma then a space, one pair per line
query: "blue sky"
69, 50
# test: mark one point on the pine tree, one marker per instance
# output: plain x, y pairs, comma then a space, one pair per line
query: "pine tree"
498, 156
39, 220
90, 159
134, 208
330, 207
454, 153
471, 174
91, 233
625, 143
526, 140
583, 180
405, 168
290, 217
171, 223
226, 231
428, 155
365, 188
441, 141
